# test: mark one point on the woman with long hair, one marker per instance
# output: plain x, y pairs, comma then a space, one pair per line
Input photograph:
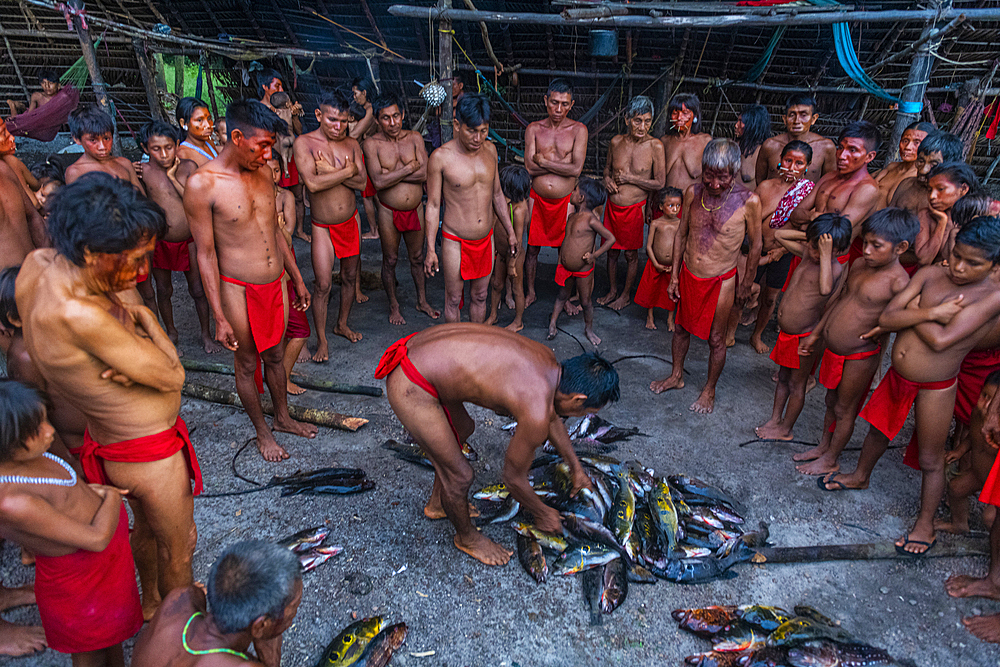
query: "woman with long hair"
753, 127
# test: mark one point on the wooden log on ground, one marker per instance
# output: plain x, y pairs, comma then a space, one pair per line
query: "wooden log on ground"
311, 415
958, 547
308, 383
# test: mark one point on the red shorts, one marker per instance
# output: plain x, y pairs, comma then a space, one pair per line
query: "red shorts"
298, 323
405, 221
626, 223
698, 300
172, 255
562, 273
548, 221
832, 369
786, 350
991, 489
477, 255
293, 175
345, 236
971, 377
89, 600
652, 291
891, 401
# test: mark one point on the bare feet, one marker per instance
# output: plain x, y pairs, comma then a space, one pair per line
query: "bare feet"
322, 354
509, 300
426, 309
294, 427
172, 335
964, 586
270, 450
515, 326
759, 346
810, 383
16, 597
731, 340
954, 527
434, 511
484, 549
670, 321
650, 324
552, 333
359, 297
294, 389
302, 235
705, 403
370, 234
303, 355
529, 299
811, 454
592, 337
749, 315
835, 482
21, 639
986, 628
620, 302
773, 432
916, 543
492, 319
608, 298
572, 308
396, 317
211, 347
346, 332
820, 466
667, 383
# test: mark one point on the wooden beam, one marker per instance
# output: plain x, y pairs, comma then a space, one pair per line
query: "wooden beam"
179, 63
17, 69
284, 22
371, 20
248, 8
96, 78
211, 88
33, 20
211, 15
445, 70
156, 12
152, 97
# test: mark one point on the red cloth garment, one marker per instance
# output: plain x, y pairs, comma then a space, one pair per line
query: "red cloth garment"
345, 236
789, 201
626, 223
857, 249
148, 448
477, 255
832, 369
89, 600
891, 401
369, 190
405, 221
698, 300
265, 310
141, 278
991, 132
976, 366
786, 350
991, 489
43, 123
172, 255
548, 221
298, 323
562, 273
293, 175
652, 291
911, 268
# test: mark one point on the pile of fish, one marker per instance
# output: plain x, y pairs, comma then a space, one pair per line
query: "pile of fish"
758, 636
308, 545
364, 643
323, 481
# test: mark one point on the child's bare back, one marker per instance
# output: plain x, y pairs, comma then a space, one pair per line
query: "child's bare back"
578, 244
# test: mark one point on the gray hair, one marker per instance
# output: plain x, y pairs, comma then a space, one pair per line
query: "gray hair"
722, 153
249, 580
638, 105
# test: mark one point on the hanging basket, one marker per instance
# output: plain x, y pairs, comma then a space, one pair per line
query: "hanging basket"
603, 43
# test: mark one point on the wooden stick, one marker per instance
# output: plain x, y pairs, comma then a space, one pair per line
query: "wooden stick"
954, 548
319, 385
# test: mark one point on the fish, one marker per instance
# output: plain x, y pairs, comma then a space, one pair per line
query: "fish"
379, 651
639, 574
693, 488
765, 618
342, 487
583, 556
757, 538
705, 517
689, 570
615, 588
768, 656
651, 550
550, 541
305, 539
600, 482
469, 453
664, 514
507, 511
532, 558
726, 515
740, 636
802, 628
592, 585
314, 476
705, 621
641, 477
411, 453
693, 552
593, 426
622, 514
582, 506
350, 643
493, 492
603, 463
586, 530
832, 654
310, 560
713, 659
809, 612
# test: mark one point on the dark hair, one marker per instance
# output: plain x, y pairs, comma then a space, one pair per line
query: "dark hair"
158, 128
364, 84
958, 173
920, 126
48, 74
515, 182
90, 120
560, 85
22, 412
836, 225
982, 233
756, 128
341, 99
473, 110
970, 206
280, 99
593, 375
386, 100
660, 196
950, 146
8, 305
249, 115
249, 580
103, 214
864, 130
49, 170
895, 225
993, 379
594, 192
186, 108
800, 146
264, 79
692, 103
800, 100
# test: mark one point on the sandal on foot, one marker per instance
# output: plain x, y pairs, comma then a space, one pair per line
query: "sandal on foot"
823, 480
901, 550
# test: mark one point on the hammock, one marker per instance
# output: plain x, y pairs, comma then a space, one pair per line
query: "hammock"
43, 123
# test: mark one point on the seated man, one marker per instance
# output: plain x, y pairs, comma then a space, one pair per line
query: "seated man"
254, 591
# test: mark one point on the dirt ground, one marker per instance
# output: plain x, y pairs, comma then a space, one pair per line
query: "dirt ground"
470, 615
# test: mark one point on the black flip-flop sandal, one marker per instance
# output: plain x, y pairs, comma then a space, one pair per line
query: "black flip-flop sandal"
901, 550
823, 480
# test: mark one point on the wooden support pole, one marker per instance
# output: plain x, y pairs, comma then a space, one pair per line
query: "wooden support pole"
211, 90
17, 69
446, 71
96, 78
180, 62
152, 98
662, 99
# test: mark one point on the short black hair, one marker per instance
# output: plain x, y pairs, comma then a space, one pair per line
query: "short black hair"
692, 103
90, 120
864, 130
159, 128
22, 412
103, 214
756, 128
594, 192
593, 375
264, 79
515, 182
473, 110
48, 74
895, 225
920, 126
249, 115
982, 233
950, 146
186, 108
970, 206
280, 99
386, 100
800, 100
49, 170
992, 380
342, 99
836, 225
800, 146
663, 193
8, 305
957, 173
560, 85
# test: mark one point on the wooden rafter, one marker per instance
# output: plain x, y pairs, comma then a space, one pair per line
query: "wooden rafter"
33, 20
211, 15
284, 22
248, 8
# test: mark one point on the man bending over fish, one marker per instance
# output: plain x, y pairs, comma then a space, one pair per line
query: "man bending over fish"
430, 374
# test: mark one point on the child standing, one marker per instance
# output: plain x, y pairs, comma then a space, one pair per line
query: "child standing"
810, 287
515, 182
576, 255
652, 291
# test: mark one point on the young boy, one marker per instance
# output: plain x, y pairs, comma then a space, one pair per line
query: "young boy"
50, 179
811, 285
576, 255
84, 576
652, 291
283, 106
948, 182
850, 361
165, 176
221, 134
939, 317
516, 184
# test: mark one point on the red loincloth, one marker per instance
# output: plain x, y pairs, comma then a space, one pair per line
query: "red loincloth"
626, 223
43, 123
857, 249
89, 600
345, 236
293, 175
562, 273
298, 323
911, 268
142, 277
699, 298
786, 350
263, 303
405, 221
369, 190
652, 291
971, 377
148, 448
548, 221
891, 401
832, 369
477, 255
172, 255
991, 489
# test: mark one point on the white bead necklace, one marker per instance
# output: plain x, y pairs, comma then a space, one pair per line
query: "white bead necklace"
53, 481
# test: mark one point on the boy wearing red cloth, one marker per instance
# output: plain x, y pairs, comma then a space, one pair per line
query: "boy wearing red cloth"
850, 361
810, 287
940, 316
654, 287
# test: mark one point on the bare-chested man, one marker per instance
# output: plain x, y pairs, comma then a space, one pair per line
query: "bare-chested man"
22, 228
800, 116
110, 359
230, 206
717, 213
684, 142
330, 162
554, 152
935, 148
431, 374
463, 174
635, 168
397, 166
892, 174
